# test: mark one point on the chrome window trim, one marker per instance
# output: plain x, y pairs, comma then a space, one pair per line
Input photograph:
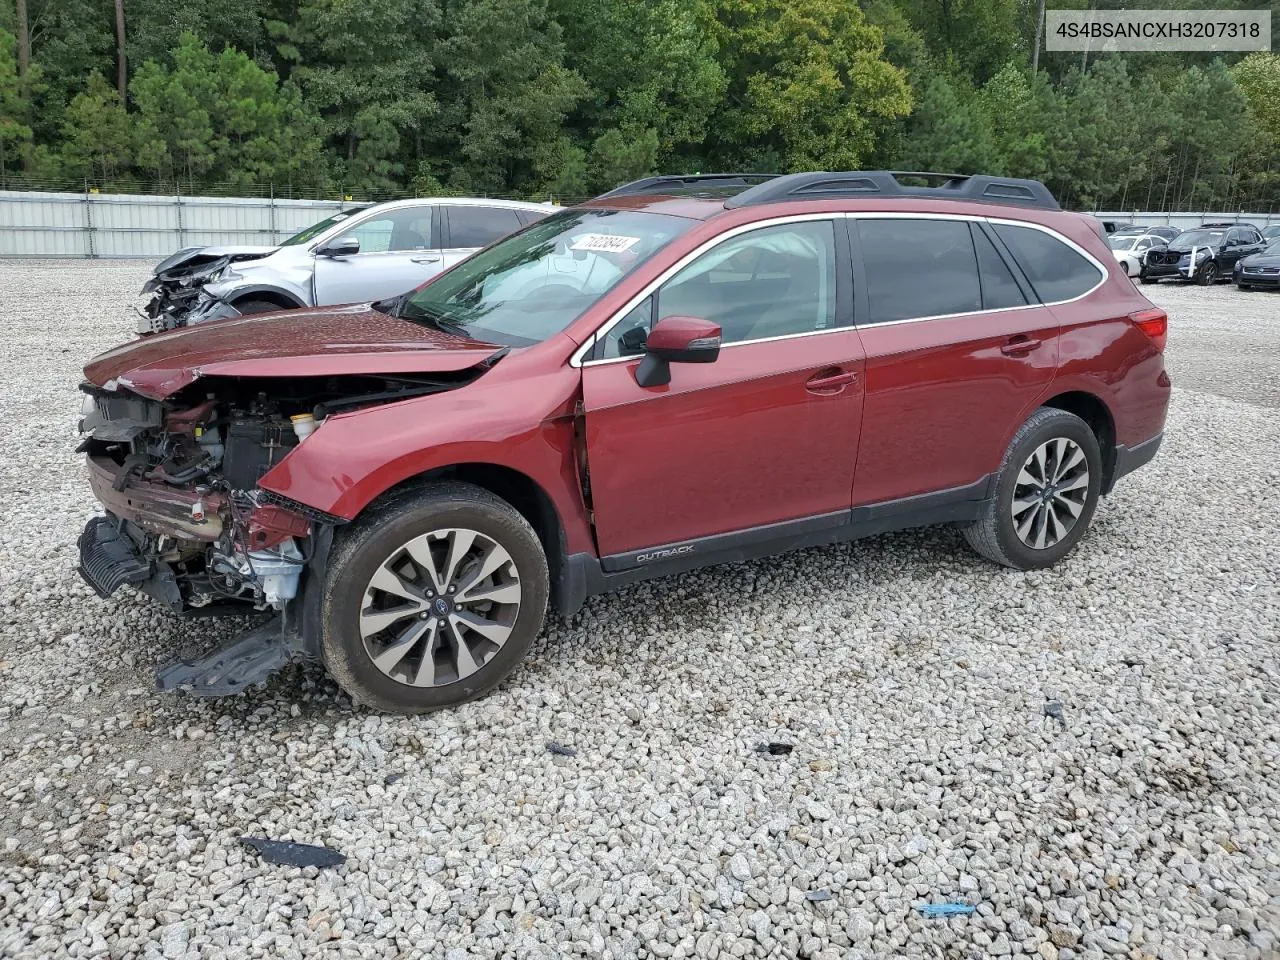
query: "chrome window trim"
576, 360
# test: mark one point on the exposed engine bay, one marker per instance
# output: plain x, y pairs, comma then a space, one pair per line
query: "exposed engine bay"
185, 518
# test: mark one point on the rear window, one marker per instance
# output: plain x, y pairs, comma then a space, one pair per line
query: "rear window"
480, 226
900, 254
1056, 271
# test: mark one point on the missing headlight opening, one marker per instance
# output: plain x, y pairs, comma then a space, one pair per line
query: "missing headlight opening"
179, 481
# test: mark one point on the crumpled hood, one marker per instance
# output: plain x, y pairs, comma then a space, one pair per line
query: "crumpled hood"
325, 341
191, 257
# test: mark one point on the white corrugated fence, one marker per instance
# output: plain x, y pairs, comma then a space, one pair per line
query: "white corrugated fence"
127, 225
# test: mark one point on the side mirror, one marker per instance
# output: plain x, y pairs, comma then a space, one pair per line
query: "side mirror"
677, 340
342, 247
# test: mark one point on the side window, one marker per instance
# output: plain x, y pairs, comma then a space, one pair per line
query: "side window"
1055, 270
408, 229
999, 290
1142, 245
626, 337
769, 282
1252, 236
480, 226
527, 217
1235, 237
918, 268
374, 234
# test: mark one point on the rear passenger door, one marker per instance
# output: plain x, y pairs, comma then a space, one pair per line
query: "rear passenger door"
470, 227
958, 353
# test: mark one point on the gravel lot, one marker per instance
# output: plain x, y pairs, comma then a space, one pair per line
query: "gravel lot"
910, 677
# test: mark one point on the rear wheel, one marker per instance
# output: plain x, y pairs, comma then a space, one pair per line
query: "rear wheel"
1046, 492
432, 599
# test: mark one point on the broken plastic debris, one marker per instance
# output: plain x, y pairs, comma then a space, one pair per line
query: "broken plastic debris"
1053, 710
289, 854
560, 750
817, 896
932, 910
392, 778
775, 749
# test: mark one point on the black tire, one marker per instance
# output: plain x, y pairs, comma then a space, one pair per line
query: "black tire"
1245, 286
1146, 279
1207, 275
993, 535
376, 537
249, 306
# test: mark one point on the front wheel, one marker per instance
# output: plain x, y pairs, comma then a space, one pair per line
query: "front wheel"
432, 599
1207, 275
1046, 492
1142, 276
250, 306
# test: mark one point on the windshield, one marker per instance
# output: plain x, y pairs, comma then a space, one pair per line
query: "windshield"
1197, 238
316, 229
533, 284
1121, 243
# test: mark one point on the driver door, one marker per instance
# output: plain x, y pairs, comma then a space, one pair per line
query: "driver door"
767, 433
398, 252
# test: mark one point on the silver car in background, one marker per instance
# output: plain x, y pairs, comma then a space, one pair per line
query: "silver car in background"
361, 254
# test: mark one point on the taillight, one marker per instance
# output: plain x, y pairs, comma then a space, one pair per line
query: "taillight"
1154, 323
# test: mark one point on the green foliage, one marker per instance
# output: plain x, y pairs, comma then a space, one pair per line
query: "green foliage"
14, 131
566, 98
222, 118
806, 77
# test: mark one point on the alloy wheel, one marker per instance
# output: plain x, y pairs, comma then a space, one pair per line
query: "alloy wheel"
440, 607
1050, 493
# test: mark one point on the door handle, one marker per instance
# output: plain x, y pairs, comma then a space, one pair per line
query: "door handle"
432, 259
1018, 346
832, 381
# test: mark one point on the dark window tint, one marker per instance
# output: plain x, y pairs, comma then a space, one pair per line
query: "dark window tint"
533, 216
999, 290
1055, 270
480, 226
918, 268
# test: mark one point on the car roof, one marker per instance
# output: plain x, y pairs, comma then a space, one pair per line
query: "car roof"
458, 202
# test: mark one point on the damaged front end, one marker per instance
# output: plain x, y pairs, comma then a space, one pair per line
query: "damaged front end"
187, 523
177, 288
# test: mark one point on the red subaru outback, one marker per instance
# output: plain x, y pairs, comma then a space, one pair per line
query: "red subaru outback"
685, 371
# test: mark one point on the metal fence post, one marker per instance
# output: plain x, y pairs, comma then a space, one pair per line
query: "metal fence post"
272, 214
178, 203
88, 221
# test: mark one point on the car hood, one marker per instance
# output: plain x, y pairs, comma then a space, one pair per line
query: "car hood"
1262, 260
330, 341
192, 257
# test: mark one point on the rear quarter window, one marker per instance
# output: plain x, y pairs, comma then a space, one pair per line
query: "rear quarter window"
1055, 270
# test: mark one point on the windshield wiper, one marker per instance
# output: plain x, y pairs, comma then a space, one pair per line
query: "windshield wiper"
432, 318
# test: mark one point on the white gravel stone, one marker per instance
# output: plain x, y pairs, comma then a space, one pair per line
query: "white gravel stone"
910, 675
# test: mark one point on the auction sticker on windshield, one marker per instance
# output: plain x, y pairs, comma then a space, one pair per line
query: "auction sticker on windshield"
603, 243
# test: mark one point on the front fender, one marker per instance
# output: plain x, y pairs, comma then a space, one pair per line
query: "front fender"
521, 421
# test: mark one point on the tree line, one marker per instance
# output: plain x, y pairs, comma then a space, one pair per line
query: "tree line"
566, 98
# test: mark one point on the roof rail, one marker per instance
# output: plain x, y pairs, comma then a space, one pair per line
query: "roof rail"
887, 183
686, 184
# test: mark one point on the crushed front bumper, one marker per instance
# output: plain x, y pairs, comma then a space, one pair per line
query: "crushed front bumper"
157, 508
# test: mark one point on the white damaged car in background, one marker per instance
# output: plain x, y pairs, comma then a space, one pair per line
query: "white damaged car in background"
362, 254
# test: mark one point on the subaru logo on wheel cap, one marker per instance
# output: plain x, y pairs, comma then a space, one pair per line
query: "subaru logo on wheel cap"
441, 605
